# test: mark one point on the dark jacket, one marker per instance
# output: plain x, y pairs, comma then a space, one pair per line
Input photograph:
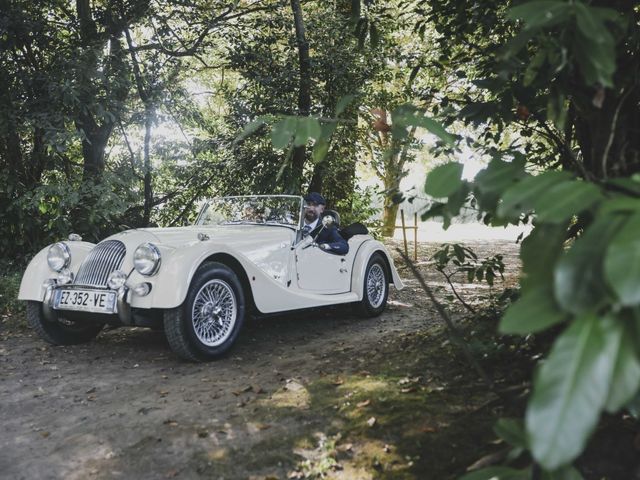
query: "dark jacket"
331, 237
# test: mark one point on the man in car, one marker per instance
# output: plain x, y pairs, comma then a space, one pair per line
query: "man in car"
327, 238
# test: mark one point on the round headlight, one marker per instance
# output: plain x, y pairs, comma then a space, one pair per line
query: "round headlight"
146, 259
59, 256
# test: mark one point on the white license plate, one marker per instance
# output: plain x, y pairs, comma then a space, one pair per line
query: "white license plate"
85, 300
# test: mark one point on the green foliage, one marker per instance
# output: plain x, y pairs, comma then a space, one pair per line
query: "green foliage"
442, 181
453, 259
593, 365
559, 62
360, 207
49, 212
9, 287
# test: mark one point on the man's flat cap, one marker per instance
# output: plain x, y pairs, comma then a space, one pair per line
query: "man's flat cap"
315, 197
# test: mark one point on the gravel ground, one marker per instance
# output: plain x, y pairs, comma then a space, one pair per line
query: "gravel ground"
123, 406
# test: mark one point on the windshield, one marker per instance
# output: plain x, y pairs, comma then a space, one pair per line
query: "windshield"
255, 210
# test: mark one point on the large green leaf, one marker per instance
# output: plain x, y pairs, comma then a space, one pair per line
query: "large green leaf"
432, 126
579, 283
497, 473
569, 392
511, 430
444, 180
534, 311
250, 128
499, 175
539, 252
520, 197
307, 128
321, 147
283, 131
625, 379
540, 14
622, 262
407, 115
596, 48
565, 200
619, 204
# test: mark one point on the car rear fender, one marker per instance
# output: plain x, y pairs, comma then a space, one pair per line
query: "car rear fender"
366, 250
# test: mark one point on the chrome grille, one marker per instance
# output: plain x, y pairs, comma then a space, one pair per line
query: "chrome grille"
101, 261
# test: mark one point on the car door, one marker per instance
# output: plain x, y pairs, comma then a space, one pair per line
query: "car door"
321, 272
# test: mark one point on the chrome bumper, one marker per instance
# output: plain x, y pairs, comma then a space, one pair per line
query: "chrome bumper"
123, 309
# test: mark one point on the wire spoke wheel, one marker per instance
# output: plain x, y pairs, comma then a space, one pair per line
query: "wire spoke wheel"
214, 312
376, 285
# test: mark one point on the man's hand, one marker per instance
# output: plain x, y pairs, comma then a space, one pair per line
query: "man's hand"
325, 246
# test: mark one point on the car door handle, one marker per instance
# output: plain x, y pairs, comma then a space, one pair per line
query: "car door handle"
343, 270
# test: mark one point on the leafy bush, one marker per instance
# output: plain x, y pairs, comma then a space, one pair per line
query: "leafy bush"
52, 210
453, 259
9, 286
591, 288
360, 207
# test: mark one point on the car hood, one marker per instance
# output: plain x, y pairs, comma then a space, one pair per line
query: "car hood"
239, 236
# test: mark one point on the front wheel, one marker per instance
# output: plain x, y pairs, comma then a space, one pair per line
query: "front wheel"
375, 288
207, 324
61, 331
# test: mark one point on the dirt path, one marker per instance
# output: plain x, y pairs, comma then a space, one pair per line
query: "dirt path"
311, 393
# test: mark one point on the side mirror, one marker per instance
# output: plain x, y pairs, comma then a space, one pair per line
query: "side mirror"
327, 221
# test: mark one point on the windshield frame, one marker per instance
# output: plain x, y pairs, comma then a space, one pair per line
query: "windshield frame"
210, 201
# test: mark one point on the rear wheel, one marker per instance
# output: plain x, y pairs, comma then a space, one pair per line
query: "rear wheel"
207, 324
61, 331
375, 288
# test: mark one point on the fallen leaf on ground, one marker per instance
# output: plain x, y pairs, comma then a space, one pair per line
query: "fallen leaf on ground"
255, 427
257, 389
345, 448
338, 381
371, 422
363, 404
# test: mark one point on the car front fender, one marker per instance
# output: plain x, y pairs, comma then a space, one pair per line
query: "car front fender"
169, 287
38, 271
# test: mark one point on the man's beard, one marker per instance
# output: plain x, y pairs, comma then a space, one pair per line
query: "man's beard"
310, 216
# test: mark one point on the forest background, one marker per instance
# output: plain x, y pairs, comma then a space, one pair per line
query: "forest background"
121, 114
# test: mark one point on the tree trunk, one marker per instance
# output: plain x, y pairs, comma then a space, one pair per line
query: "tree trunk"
389, 215
95, 132
149, 115
304, 95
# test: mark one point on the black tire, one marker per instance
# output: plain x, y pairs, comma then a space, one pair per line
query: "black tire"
373, 303
186, 334
58, 333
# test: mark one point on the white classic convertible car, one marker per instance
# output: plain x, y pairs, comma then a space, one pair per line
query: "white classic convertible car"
243, 255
